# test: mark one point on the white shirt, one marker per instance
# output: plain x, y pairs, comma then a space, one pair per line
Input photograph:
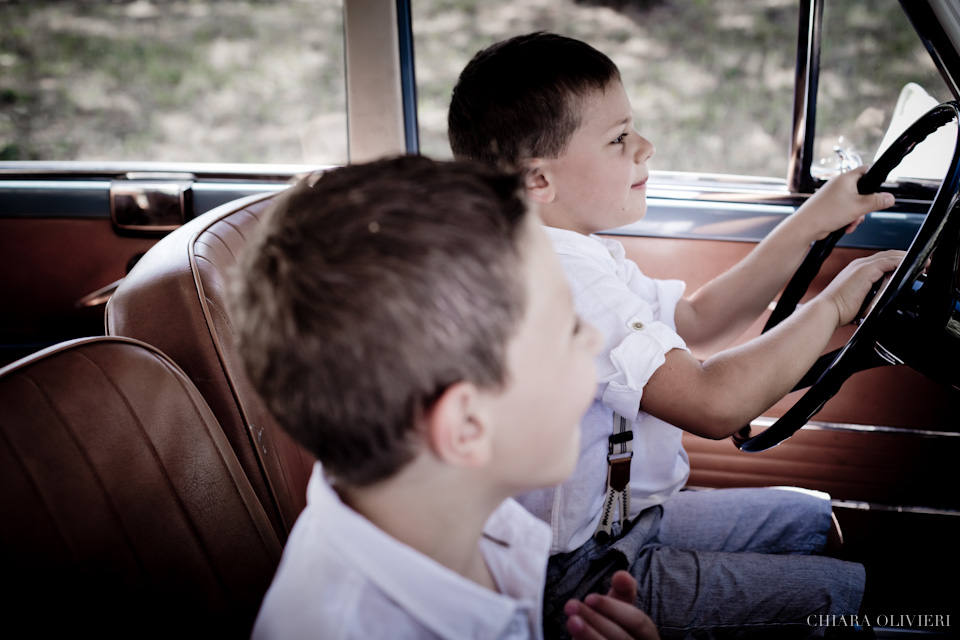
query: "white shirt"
342, 577
635, 314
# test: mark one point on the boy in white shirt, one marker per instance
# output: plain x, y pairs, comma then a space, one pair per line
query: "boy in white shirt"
408, 323
709, 563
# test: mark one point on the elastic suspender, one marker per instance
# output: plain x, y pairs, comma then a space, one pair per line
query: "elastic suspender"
619, 453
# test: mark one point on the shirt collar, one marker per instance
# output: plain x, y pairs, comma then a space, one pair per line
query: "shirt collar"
443, 601
572, 242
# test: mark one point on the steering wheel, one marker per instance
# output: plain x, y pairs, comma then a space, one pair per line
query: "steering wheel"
915, 319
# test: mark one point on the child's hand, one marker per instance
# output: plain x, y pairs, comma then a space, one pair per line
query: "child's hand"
838, 204
851, 285
610, 617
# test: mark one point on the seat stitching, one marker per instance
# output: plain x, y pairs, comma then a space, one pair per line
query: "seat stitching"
218, 348
214, 306
199, 282
173, 372
18, 459
181, 378
93, 468
214, 265
233, 226
203, 242
163, 471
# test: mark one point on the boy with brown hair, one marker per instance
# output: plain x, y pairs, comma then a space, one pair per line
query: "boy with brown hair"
709, 563
408, 323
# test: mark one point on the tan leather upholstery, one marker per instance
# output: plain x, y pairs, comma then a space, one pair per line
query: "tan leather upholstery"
125, 510
175, 299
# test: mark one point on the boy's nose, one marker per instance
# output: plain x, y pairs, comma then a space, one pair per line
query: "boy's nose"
645, 150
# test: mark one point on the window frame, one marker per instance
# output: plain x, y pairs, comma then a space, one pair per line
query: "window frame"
924, 21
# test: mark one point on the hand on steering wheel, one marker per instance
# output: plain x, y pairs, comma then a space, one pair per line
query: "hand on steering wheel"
913, 321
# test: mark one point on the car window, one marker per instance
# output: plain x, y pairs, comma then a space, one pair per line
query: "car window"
711, 83
875, 79
249, 81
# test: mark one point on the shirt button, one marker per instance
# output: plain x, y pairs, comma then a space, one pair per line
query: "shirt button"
637, 326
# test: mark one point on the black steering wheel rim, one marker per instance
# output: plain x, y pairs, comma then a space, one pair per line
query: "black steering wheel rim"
864, 350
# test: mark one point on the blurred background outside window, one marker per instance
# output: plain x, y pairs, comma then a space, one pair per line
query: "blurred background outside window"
262, 81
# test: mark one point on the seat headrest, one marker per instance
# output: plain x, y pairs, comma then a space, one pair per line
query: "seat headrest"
175, 299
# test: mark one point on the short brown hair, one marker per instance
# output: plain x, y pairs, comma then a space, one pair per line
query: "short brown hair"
521, 98
367, 293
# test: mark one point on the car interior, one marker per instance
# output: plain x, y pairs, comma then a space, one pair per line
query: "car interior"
175, 299
149, 491
128, 512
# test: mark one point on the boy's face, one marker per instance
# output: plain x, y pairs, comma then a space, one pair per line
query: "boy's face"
600, 180
551, 377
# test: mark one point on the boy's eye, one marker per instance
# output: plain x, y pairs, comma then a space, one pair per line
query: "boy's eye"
619, 138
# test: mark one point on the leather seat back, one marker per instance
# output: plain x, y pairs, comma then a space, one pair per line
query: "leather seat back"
125, 510
175, 299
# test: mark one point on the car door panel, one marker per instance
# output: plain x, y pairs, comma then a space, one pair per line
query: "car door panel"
888, 418
886, 396
884, 448
60, 251
49, 266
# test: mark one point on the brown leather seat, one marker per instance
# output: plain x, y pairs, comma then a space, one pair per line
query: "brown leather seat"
125, 510
175, 299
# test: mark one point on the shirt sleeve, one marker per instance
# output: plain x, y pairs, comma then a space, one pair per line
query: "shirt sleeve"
635, 314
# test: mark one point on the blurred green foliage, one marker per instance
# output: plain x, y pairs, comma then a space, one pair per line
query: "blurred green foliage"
711, 81
178, 80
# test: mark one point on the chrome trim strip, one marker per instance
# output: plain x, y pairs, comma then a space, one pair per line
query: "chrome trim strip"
239, 186
872, 506
104, 185
741, 209
98, 297
88, 185
122, 169
723, 181
763, 422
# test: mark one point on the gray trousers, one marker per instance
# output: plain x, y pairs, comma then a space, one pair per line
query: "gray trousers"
725, 563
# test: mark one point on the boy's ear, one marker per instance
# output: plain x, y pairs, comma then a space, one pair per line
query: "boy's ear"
539, 186
456, 431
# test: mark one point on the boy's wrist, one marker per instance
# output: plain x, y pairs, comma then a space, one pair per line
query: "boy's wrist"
803, 226
824, 305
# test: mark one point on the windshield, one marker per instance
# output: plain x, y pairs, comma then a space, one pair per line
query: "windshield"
876, 78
